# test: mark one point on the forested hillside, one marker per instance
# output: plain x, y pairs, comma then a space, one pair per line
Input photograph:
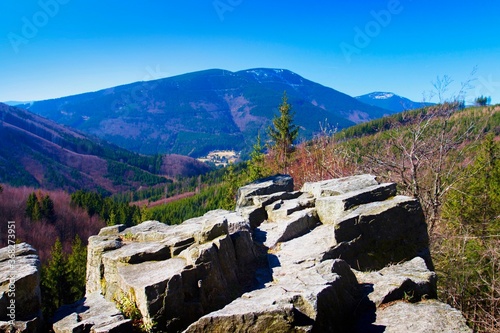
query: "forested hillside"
40, 153
195, 113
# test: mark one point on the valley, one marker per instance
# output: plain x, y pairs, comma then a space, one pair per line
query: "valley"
196, 113
40, 153
62, 182
147, 133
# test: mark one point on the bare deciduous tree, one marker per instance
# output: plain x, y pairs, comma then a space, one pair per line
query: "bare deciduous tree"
426, 152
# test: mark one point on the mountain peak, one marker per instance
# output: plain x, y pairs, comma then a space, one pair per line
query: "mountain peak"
262, 70
390, 101
382, 95
14, 103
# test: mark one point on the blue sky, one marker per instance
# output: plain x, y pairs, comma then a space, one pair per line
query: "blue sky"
54, 48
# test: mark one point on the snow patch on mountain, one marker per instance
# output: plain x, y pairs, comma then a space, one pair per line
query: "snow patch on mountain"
382, 95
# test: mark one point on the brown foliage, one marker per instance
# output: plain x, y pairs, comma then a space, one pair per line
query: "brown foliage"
177, 165
69, 222
319, 159
427, 156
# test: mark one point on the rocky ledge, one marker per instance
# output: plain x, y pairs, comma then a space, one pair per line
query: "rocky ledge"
343, 255
20, 297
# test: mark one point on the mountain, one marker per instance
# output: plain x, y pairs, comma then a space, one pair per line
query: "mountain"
14, 103
391, 101
38, 152
195, 113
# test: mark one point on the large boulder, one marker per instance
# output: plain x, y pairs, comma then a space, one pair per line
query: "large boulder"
290, 227
321, 298
97, 246
376, 234
410, 280
265, 186
91, 314
172, 275
337, 186
332, 208
429, 316
20, 297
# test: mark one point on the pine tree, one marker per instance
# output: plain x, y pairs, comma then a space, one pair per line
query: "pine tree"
145, 214
475, 204
30, 205
283, 133
120, 216
112, 218
47, 209
467, 259
256, 169
482, 101
76, 269
54, 286
36, 214
231, 184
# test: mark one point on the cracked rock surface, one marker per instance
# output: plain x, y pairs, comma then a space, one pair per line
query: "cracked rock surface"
340, 255
20, 283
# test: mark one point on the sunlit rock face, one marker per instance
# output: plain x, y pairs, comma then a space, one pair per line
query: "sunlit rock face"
20, 296
328, 258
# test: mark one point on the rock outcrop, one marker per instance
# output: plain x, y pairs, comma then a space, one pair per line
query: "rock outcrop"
91, 314
20, 297
171, 275
423, 317
342, 255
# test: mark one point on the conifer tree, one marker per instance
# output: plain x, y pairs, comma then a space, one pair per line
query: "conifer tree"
47, 209
283, 133
475, 203
30, 205
482, 100
36, 214
76, 269
38, 207
112, 218
467, 259
54, 286
256, 169
145, 214
230, 188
